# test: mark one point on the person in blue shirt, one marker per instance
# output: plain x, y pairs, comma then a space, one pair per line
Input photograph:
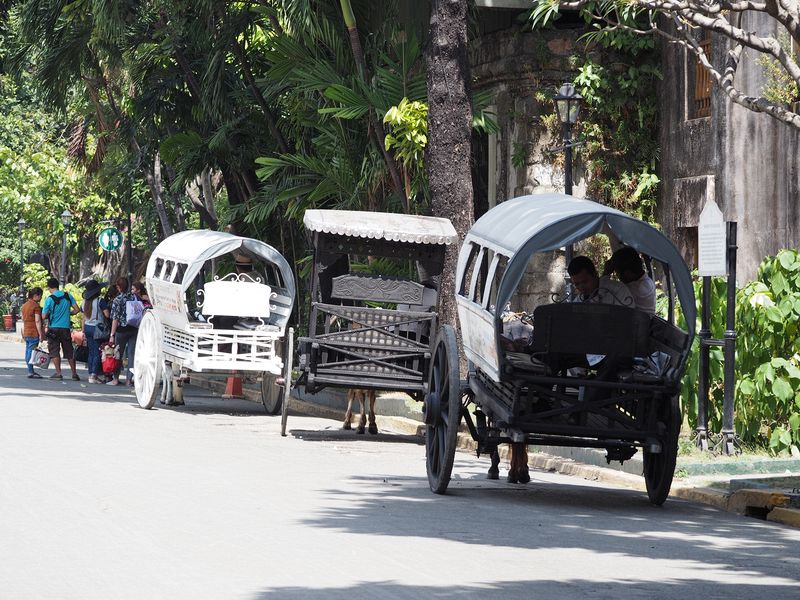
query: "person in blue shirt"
58, 308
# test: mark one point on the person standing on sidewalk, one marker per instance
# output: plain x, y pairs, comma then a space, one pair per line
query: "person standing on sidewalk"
122, 334
58, 308
93, 309
32, 327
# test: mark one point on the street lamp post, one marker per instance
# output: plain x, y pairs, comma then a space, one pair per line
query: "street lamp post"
568, 106
66, 219
21, 224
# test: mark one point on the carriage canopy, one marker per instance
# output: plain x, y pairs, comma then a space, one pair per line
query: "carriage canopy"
521, 227
393, 227
193, 248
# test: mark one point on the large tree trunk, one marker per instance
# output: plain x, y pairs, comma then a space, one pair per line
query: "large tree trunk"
449, 130
154, 182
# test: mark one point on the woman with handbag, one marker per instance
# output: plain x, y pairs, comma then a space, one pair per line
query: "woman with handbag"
32, 329
95, 328
123, 334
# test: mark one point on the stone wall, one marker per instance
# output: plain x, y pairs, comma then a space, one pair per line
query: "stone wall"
744, 160
517, 65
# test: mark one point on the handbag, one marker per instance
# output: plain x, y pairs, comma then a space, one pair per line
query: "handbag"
39, 358
102, 330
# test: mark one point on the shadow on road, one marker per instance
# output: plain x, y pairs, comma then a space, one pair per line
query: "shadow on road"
343, 435
547, 514
544, 589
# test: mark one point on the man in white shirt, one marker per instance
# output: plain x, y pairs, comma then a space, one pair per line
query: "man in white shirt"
594, 289
628, 266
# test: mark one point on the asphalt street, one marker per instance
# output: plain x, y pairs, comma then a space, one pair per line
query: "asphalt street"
101, 499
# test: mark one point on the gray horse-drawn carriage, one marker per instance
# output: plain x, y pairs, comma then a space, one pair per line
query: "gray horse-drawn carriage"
530, 396
367, 331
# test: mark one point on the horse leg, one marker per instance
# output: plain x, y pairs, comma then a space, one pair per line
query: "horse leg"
373, 428
518, 472
349, 413
494, 470
362, 421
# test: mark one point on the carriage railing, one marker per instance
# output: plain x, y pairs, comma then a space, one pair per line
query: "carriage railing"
212, 349
368, 347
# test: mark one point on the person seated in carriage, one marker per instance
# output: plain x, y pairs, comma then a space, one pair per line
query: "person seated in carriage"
628, 266
594, 289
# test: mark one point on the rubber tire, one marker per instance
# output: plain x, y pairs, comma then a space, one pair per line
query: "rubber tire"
659, 469
148, 366
444, 399
271, 394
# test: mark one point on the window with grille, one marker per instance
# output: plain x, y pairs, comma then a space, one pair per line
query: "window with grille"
702, 81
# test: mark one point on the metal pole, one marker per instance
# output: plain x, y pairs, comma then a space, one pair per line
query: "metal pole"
703, 383
129, 244
64, 258
566, 130
21, 270
728, 434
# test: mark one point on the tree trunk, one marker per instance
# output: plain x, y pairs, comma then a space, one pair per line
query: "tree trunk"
447, 157
154, 182
180, 219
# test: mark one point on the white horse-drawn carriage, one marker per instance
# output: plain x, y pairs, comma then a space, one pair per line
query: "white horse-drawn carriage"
234, 323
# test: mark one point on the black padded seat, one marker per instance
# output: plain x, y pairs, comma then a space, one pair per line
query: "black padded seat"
521, 361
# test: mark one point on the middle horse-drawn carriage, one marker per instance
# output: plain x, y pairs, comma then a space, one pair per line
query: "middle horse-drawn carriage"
372, 331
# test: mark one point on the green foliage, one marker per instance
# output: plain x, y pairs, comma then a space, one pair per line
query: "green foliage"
408, 136
617, 72
35, 275
780, 88
767, 392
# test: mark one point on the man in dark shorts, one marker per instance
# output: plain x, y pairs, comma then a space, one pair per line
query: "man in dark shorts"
58, 308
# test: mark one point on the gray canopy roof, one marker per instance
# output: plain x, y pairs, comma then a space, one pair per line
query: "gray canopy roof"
526, 225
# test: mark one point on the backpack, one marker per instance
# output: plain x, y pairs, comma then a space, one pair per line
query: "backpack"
56, 301
134, 309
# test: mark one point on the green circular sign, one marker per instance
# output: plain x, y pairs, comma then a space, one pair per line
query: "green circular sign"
110, 239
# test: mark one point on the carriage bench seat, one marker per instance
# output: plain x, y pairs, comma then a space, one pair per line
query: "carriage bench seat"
237, 296
578, 328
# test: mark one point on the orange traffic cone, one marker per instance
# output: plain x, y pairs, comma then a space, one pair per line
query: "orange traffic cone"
233, 387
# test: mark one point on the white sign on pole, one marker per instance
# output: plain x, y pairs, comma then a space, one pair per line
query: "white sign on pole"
712, 241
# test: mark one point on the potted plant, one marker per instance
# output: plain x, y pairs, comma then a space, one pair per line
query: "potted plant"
8, 320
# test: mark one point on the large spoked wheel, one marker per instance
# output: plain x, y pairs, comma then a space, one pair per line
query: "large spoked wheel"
149, 362
659, 469
287, 378
442, 410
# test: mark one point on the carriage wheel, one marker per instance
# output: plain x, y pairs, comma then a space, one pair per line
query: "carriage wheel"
270, 394
287, 378
442, 410
149, 362
659, 469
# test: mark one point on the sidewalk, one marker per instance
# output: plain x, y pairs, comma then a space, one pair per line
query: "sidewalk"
763, 488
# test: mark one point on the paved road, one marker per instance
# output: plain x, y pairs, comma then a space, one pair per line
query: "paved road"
100, 499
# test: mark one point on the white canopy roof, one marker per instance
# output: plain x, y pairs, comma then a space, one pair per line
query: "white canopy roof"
394, 227
196, 246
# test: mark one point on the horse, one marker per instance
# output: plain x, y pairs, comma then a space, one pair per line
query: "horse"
362, 396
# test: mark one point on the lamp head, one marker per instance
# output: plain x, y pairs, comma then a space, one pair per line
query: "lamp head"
22, 224
568, 104
66, 217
